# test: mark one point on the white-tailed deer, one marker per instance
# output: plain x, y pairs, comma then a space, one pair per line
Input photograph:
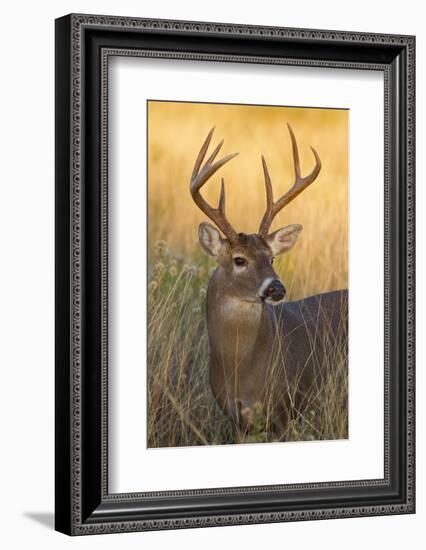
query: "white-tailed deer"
265, 354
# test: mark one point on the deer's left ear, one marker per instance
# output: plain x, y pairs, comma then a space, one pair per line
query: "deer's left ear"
283, 239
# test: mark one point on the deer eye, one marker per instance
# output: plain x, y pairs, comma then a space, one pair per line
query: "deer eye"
240, 262
272, 260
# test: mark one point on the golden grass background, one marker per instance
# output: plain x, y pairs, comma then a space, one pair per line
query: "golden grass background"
176, 132
181, 408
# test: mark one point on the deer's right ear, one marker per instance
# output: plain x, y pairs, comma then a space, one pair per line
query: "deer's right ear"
210, 239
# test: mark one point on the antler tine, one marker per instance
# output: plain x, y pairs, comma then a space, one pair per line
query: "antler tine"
199, 178
202, 153
300, 184
214, 154
221, 206
268, 185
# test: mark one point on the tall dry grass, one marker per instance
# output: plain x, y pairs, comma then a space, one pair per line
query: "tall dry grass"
181, 408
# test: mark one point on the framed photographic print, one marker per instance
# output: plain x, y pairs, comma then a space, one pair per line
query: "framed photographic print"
234, 274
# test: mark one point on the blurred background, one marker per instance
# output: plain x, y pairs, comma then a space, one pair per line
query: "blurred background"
181, 408
176, 131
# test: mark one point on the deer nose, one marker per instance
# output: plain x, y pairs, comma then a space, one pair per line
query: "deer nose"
275, 291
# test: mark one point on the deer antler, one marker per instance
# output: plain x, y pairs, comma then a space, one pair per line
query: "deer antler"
199, 177
272, 208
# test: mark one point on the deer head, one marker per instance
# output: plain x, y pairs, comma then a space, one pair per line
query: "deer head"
246, 260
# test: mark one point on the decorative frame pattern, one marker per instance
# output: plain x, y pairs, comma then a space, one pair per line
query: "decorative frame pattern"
83, 503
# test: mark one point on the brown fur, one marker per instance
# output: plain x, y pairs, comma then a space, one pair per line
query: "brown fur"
250, 338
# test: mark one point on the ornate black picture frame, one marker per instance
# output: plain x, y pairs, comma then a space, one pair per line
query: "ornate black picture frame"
83, 45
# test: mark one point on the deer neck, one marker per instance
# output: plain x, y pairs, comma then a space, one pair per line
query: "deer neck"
237, 328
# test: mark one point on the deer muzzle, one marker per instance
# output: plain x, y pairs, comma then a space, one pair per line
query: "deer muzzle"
272, 290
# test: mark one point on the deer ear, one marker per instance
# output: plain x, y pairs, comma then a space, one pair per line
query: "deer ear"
283, 239
210, 239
